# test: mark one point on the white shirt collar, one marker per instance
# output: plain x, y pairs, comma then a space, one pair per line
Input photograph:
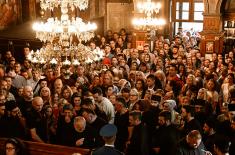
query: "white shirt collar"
109, 145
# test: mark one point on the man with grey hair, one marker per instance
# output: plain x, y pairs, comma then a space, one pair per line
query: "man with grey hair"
134, 97
83, 135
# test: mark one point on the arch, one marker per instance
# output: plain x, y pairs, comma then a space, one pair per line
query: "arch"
218, 6
212, 8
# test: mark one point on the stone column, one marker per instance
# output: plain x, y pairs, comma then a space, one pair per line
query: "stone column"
212, 28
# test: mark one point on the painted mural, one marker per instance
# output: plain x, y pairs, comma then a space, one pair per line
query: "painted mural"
8, 12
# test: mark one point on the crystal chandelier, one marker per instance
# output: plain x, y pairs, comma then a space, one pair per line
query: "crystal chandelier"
73, 55
148, 22
67, 27
51, 4
149, 7
63, 37
63, 30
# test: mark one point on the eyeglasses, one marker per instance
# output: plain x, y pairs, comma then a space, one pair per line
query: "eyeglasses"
10, 148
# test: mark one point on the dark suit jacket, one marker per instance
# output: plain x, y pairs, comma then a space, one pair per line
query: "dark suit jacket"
107, 150
185, 149
139, 141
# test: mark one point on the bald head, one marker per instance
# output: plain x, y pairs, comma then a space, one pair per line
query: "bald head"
79, 123
194, 138
58, 85
37, 103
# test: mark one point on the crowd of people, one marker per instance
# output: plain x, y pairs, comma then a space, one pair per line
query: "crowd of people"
167, 101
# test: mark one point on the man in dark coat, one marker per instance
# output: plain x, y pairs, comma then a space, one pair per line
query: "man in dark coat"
191, 123
65, 126
108, 132
36, 121
13, 123
192, 144
121, 121
83, 135
139, 141
166, 136
95, 122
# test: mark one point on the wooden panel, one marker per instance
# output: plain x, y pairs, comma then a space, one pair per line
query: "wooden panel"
229, 16
217, 39
25, 10
119, 15
212, 24
48, 149
102, 4
115, 22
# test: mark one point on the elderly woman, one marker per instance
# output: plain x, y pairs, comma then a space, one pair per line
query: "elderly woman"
134, 97
170, 105
123, 83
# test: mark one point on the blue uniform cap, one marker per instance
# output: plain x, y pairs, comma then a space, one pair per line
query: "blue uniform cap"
108, 130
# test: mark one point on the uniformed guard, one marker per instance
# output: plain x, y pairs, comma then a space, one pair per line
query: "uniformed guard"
108, 133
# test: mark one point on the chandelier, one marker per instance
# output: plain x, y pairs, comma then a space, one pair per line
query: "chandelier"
73, 55
67, 27
149, 21
64, 30
51, 4
63, 37
148, 7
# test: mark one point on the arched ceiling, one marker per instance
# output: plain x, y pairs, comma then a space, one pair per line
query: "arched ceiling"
229, 6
